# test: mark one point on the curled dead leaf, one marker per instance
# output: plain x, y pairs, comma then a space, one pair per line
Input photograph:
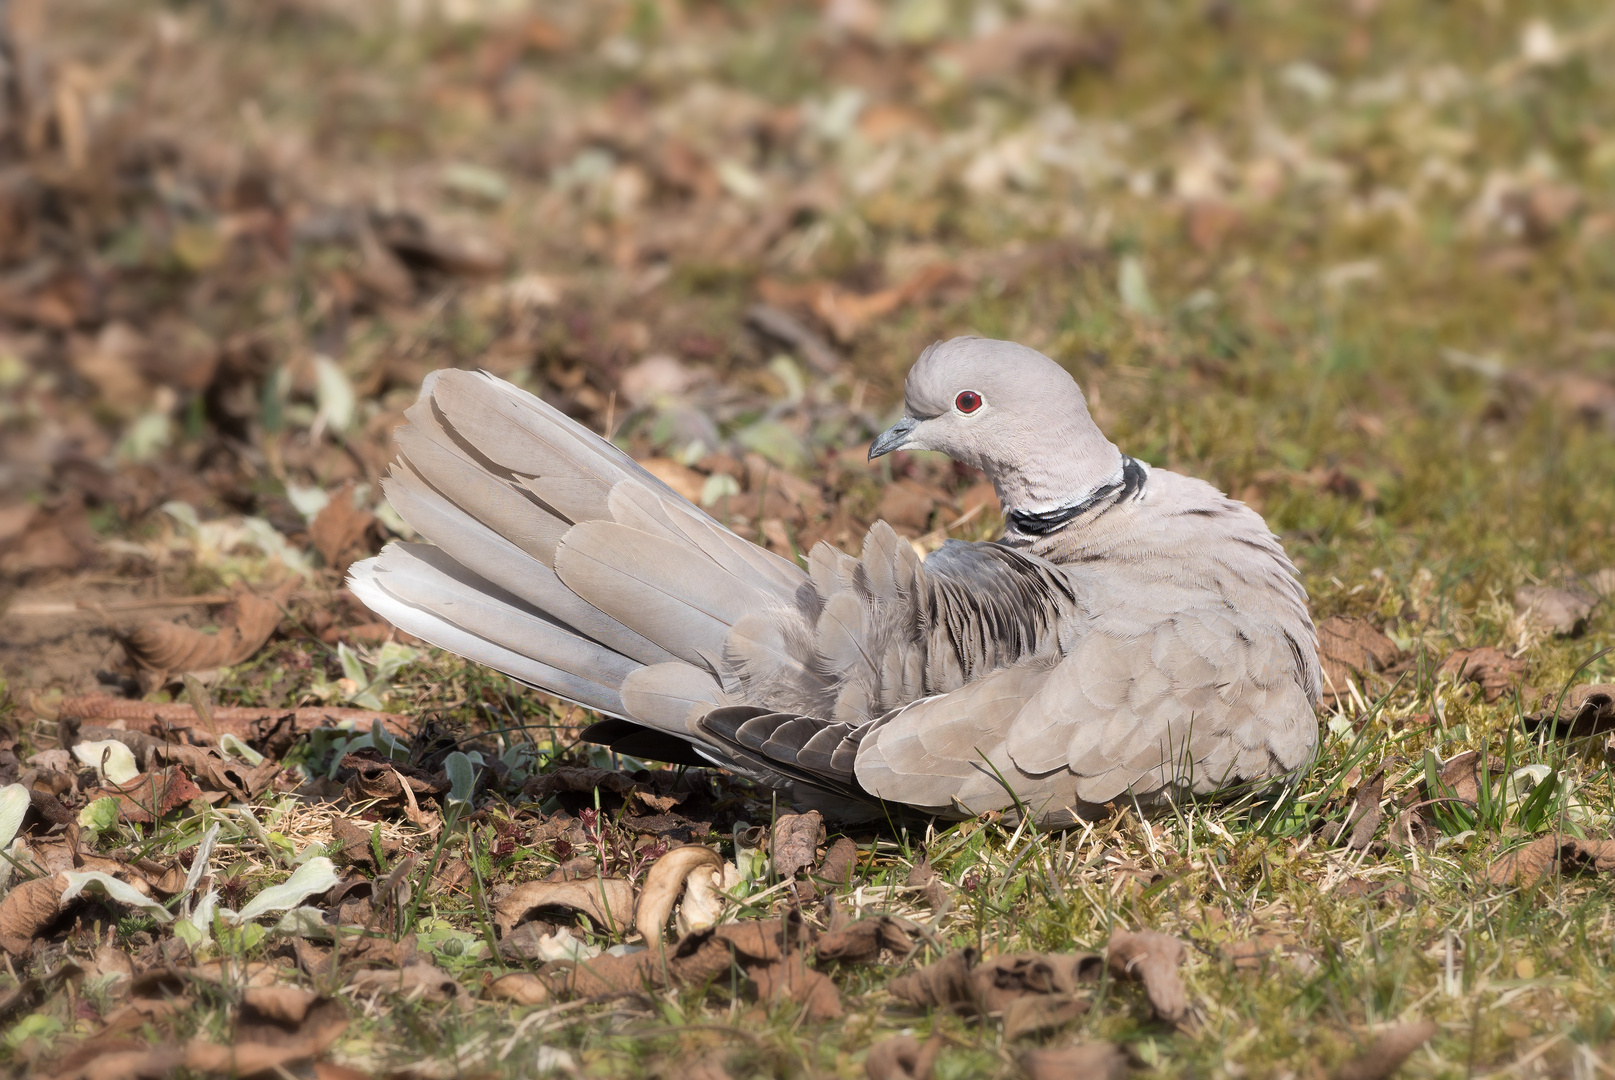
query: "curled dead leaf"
520, 987
942, 984
1153, 958
608, 902
118, 1057
1392, 1047
340, 529
839, 861
287, 1005
1035, 1015
150, 796
924, 877
795, 841
863, 940
163, 648
1541, 857
422, 981
1460, 779
1365, 815
269, 1041
790, 979
27, 910
1091, 1061
1586, 710
902, 1057
665, 882
1411, 829
1351, 647
1493, 670
1561, 612
957, 982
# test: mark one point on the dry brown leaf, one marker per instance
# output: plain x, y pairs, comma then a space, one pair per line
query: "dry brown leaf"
340, 529
942, 984
1385, 892
1001, 980
1257, 953
166, 648
1411, 830
681, 478
1351, 647
1562, 612
839, 861
903, 1057
118, 1057
1459, 778
907, 506
924, 876
782, 326
285, 1005
213, 770
863, 940
1153, 958
150, 796
1365, 816
708, 1067
277, 1025
795, 842
583, 781
418, 980
1089, 1061
1035, 1015
55, 536
27, 909
521, 987
452, 248
847, 313
1585, 710
695, 958
1541, 857
1392, 1047
958, 983
665, 883
1016, 46
1493, 670
790, 979
608, 902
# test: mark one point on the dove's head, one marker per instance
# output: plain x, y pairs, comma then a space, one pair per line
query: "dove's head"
1011, 412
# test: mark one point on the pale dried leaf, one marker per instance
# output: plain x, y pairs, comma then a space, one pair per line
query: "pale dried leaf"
1153, 958
1543, 856
665, 882
902, 1057
1562, 612
1493, 670
1089, 1061
167, 648
608, 902
1390, 1049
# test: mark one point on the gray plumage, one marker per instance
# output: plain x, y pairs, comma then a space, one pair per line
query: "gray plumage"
1135, 632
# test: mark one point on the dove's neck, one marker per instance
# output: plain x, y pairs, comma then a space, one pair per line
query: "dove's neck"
1049, 491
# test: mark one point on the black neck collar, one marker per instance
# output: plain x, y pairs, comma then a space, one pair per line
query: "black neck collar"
1043, 522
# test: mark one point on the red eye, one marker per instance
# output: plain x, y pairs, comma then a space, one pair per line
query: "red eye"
968, 401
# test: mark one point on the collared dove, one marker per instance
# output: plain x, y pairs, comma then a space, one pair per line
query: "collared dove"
1133, 634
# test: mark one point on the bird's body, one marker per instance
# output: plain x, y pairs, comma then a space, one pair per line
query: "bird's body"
1135, 632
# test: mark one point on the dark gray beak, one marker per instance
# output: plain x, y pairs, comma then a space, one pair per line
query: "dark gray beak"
893, 438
